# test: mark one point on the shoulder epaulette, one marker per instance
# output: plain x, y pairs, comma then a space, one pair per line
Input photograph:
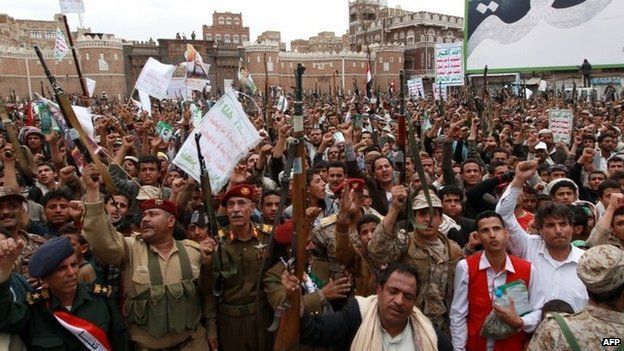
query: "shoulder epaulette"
266, 228
223, 233
33, 298
329, 220
103, 290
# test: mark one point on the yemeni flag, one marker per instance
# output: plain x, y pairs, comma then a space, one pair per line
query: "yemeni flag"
369, 81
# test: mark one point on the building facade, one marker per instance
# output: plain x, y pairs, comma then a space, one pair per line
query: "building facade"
227, 27
272, 36
325, 71
100, 55
372, 22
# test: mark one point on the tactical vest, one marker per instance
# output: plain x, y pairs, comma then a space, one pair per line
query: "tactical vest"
164, 308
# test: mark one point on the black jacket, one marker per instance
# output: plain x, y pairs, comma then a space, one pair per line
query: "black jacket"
338, 329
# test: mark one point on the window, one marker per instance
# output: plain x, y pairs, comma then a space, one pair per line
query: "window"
235, 38
226, 38
386, 66
218, 37
244, 38
228, 20
87, 56
258, 58
402, 35
381, 60
237, 21
353, 64
115, 57
221, 20
362, 64
391, 58
209, 37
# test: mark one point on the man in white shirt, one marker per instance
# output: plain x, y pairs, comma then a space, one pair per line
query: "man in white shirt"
551, 253
476, 279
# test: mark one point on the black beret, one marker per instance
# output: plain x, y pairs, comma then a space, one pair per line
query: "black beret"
49, 255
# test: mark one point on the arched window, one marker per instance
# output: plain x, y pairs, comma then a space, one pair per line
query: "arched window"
221, 20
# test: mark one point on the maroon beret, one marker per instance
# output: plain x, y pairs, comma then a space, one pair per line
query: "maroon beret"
165, 205
283, 233
356, 184
242, 190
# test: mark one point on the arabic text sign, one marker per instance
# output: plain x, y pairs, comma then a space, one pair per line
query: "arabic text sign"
449, 64
561, 123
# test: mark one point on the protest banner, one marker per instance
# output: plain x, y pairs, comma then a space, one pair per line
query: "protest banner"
61, 48
72, 6
196, 70
90, 85
227, 135
146, 103
154, 78
449, 64
416, 88
177, 88
561, 123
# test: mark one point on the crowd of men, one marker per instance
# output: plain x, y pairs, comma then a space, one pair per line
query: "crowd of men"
403, 253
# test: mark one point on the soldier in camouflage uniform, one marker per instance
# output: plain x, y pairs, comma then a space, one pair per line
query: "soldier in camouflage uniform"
323, 235
242, 323
601, 269
12, 214
433, 255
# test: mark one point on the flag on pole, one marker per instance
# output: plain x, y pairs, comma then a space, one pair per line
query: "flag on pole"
60, 45
369, 81
244, 77
72, 6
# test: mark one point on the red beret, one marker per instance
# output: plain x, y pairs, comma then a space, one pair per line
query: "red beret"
283, 233
164, 205
242, 190
356, 184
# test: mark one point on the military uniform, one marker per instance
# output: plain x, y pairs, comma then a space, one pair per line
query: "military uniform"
601, 269
40, 330
589, 327
324, 239
31, 243
356, 262
163, 302
315, 304
434, 262
242, 323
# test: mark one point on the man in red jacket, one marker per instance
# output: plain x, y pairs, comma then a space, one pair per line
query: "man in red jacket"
476, 279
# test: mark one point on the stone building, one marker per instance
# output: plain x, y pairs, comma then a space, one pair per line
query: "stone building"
227, 27
272, 36
348, 67
372, 22
326, 42
300, 45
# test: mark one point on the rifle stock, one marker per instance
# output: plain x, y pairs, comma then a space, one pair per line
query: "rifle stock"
288, 332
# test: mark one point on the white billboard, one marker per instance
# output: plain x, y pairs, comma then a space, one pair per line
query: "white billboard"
533, 35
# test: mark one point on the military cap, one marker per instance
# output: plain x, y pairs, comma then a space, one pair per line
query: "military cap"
601, 268
420, 201
356, 184
49, 255
283, 233
165, 205
8, 193
242, 190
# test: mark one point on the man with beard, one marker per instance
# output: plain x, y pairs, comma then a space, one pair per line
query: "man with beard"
242, 324
117, 207
66, 314
154, 267
432, 254
12, 214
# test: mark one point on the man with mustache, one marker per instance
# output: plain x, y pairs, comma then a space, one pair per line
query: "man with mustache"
426, 248
243, 246
164, 279
12, 214
65, 314
476, 278
388, 320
